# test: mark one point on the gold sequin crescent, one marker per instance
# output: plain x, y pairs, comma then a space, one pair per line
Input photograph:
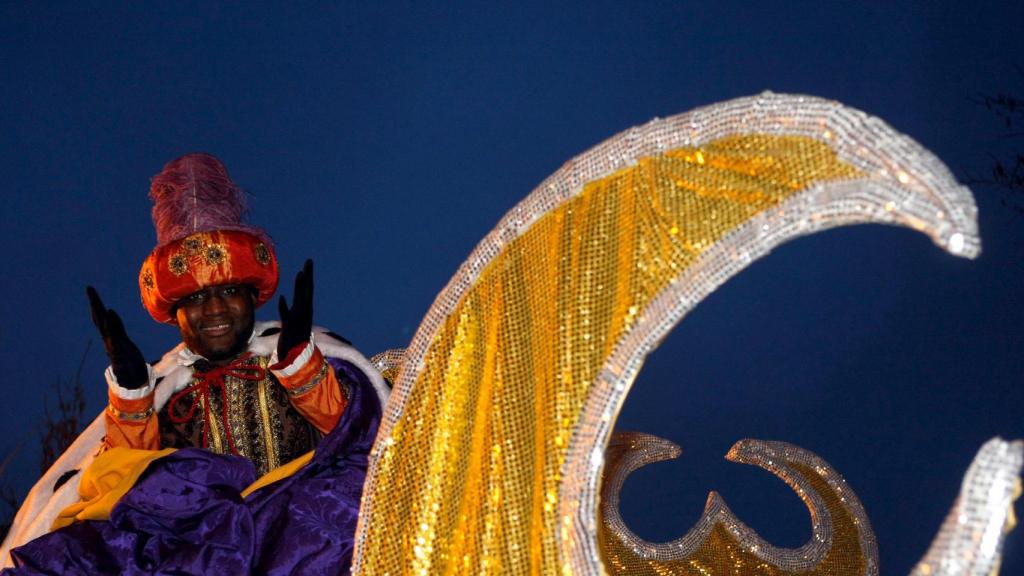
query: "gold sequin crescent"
491, 448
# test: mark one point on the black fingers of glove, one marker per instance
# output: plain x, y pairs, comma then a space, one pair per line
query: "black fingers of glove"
98, 310
297, 322
127, 362
125, 357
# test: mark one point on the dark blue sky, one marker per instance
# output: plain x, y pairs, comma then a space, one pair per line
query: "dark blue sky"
385, 141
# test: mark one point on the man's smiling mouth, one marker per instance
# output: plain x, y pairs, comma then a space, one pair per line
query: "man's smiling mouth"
218, 329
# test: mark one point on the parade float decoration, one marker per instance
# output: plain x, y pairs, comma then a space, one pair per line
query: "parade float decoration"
496, 455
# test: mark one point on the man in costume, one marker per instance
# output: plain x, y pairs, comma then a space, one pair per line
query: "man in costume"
238, 399
207, 275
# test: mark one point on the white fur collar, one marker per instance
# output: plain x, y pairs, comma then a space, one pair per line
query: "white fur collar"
174, 371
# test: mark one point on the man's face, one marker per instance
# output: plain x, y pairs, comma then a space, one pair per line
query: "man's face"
216, 322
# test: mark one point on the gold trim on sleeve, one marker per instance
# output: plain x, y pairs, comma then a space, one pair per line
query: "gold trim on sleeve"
130, 416
311, 384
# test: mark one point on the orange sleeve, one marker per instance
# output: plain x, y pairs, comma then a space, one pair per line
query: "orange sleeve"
131, 423
313, 390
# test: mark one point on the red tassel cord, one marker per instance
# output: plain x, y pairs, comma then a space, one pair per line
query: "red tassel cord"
200, 389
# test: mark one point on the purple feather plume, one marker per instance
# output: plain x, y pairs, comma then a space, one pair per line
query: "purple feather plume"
194, 193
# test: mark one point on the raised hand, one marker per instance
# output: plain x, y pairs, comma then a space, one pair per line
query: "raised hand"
125, 358
297, 322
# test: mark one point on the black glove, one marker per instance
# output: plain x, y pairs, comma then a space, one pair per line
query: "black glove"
297, 323
125, 358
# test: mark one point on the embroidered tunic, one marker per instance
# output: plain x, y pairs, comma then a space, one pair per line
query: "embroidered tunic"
268, 413
263, 425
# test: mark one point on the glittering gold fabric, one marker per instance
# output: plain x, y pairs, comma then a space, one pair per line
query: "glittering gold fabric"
389, 363
468, 479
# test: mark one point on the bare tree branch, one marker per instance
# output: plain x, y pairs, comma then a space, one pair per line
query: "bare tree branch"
1006, 174
59, 432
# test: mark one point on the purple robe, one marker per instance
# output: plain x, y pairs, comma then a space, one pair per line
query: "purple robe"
186, 515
